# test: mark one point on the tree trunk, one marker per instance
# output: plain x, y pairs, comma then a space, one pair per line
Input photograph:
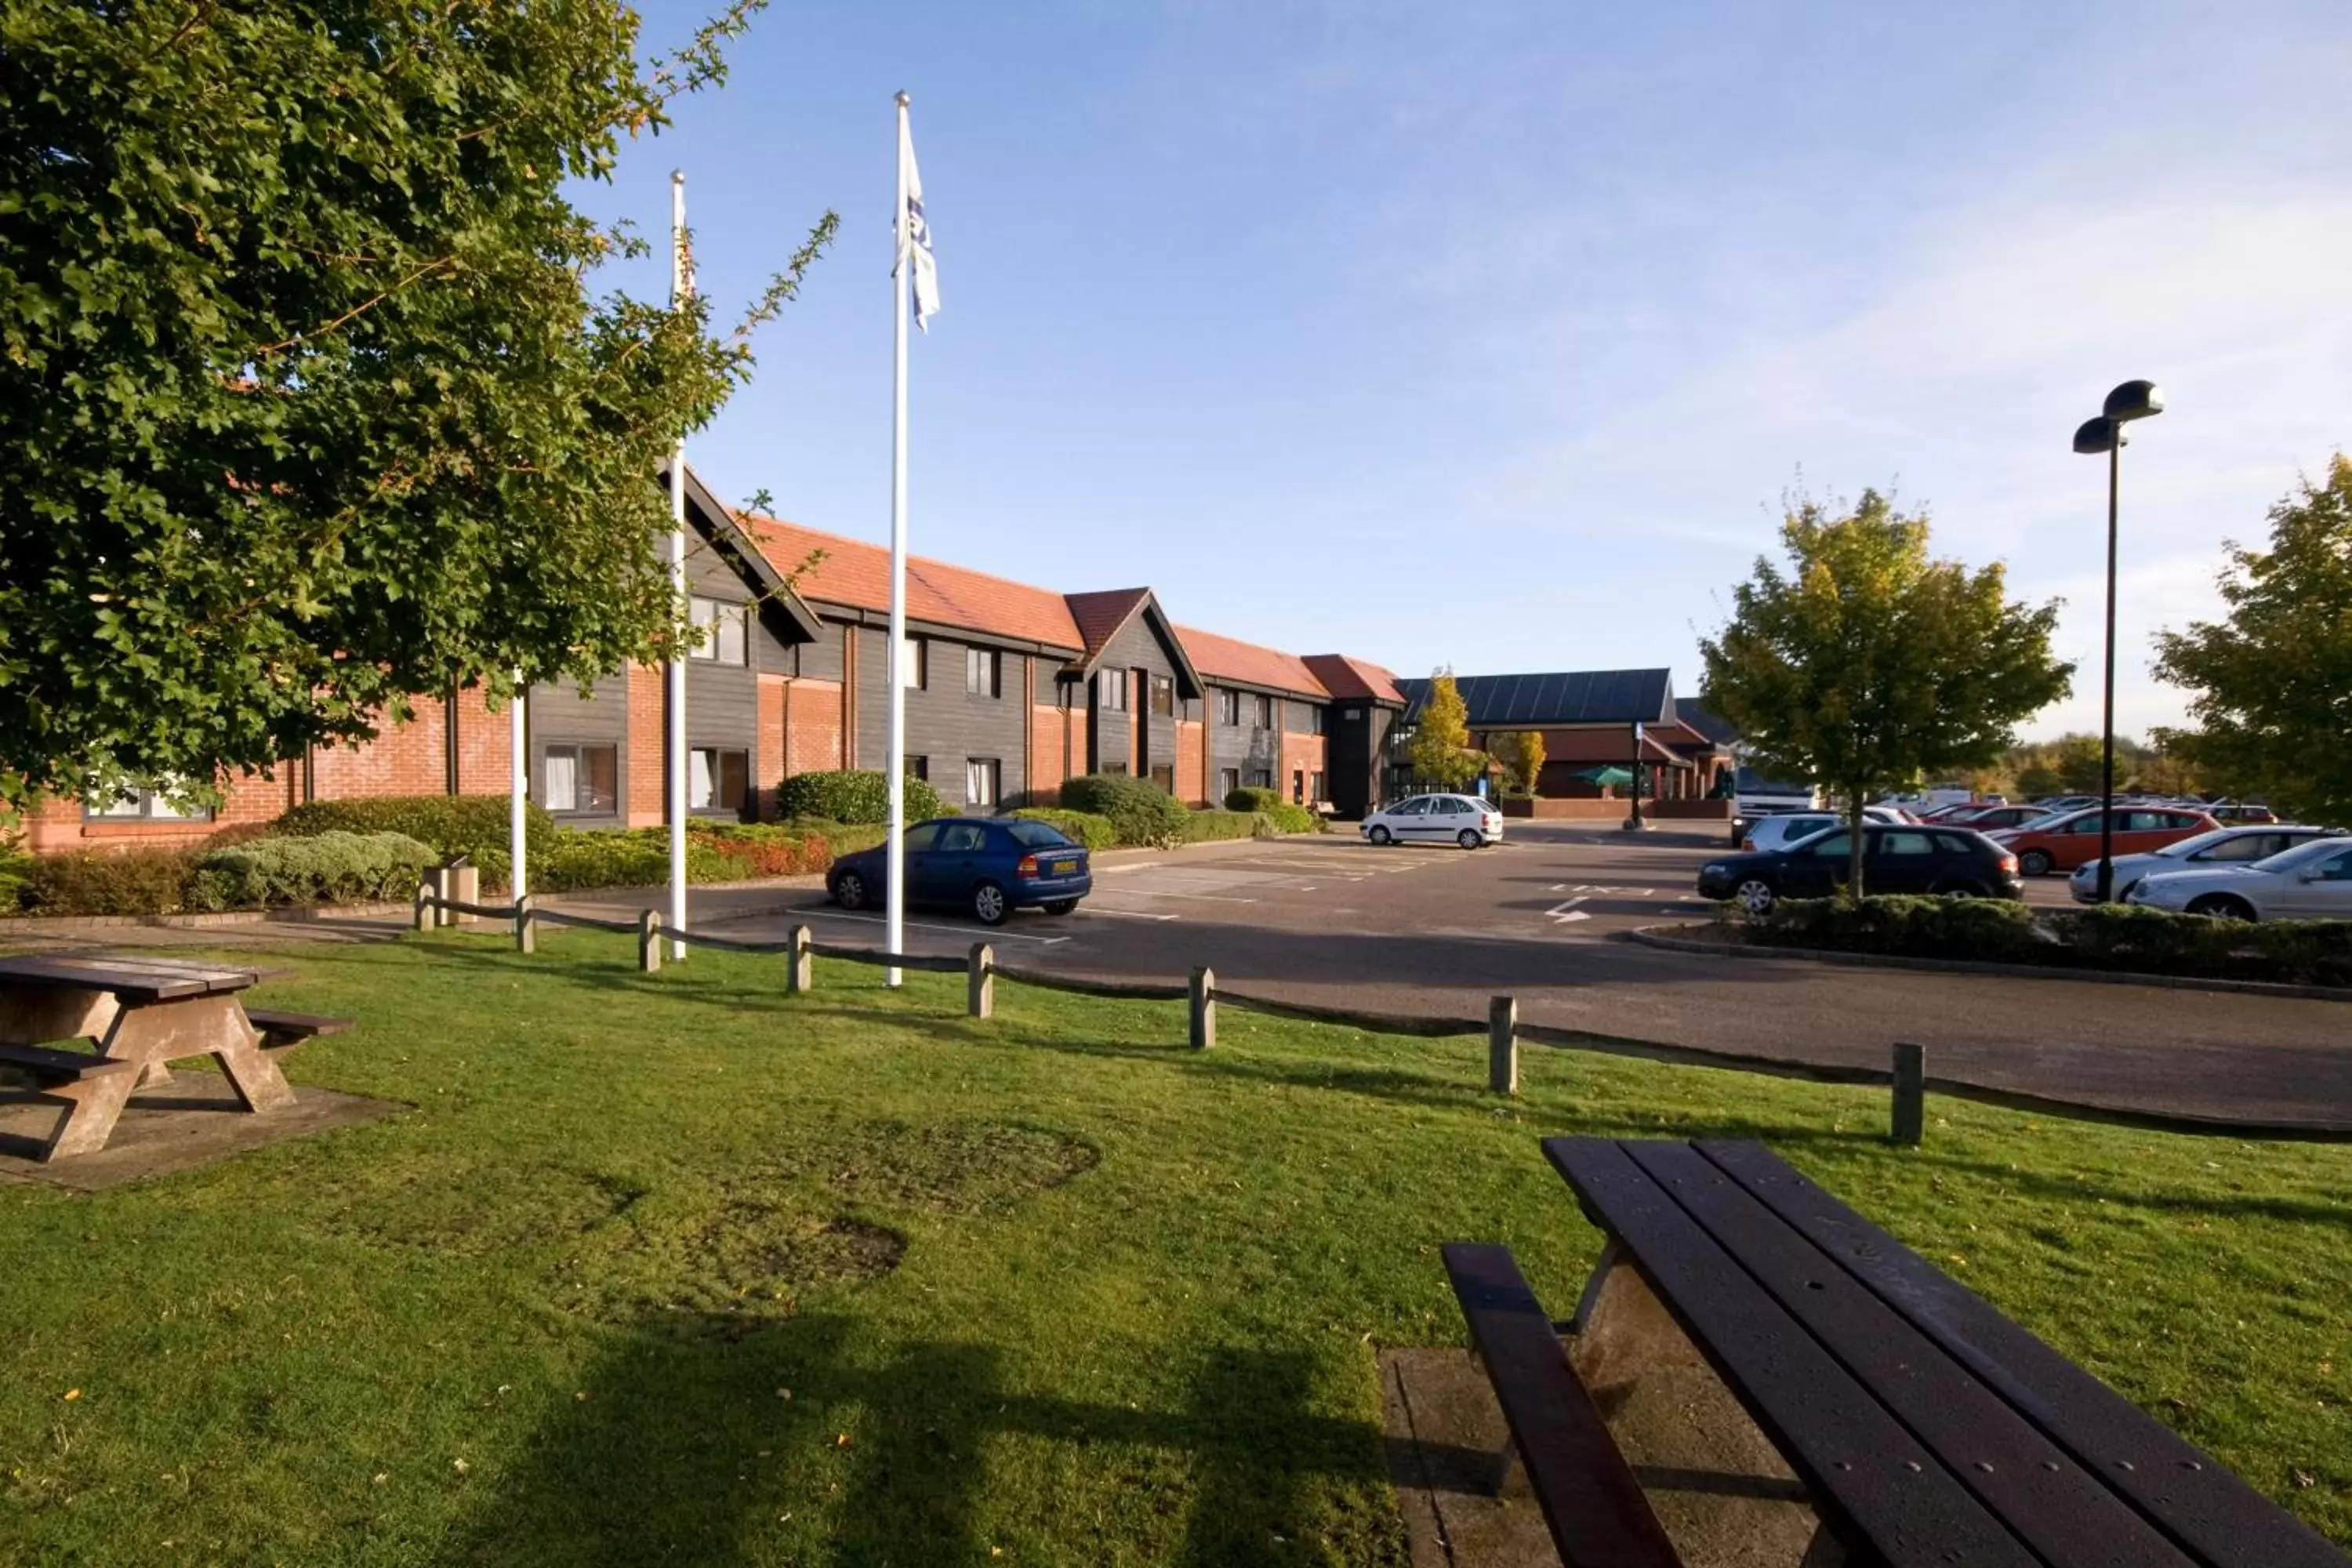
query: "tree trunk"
1854, 849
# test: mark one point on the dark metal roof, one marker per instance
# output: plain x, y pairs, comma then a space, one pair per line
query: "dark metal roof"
1565, 697
1719, 731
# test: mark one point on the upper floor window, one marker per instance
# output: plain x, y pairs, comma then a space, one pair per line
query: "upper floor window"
983, 672
1111, 689
1314, 719
1163, 694
722, 631
914, 663
1229, 706
1262, 710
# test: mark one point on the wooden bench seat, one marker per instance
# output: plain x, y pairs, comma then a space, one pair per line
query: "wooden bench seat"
1590, 1500
50, 1067
279, 1029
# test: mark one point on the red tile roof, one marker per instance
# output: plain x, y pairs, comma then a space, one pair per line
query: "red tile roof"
857, 574
1100, 615
1227, 658
1344, 678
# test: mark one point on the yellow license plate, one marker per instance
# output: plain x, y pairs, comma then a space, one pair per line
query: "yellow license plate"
1063, 867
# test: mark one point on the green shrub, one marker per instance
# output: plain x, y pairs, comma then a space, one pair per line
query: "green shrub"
332, 867
108, 882
1200, 827
474, 825
1289, 818
853, 795
1140, 811
1989, 930
1079, 827
1252, 797
15, 873
583, 858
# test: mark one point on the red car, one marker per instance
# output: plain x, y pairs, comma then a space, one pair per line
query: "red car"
2075, 837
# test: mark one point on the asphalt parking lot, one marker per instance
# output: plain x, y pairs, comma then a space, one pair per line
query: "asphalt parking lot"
1435, 932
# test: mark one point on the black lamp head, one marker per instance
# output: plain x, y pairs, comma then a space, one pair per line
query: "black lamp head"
2135, 400
2096, 435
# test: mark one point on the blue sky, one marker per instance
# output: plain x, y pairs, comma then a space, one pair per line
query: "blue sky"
1491, 334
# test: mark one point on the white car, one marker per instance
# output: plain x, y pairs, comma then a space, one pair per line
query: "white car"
2311, 882
2222, 846
1784, 829
1436, 819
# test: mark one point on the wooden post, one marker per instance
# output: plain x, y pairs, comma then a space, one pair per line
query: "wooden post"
801, 974
526, 927
1503, 1045
438, 878
425, 905
981, 985
1204, 1000
649, 940
1910, 1093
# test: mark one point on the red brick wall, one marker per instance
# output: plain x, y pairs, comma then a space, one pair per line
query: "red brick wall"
814, 726
1191, 764
1048, 735
1306, 754
768, 746
648, 728
56, 826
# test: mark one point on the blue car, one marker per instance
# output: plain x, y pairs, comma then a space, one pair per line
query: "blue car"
989, 867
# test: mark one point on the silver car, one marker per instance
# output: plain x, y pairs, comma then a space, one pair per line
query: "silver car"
2311, 882
1436, 819
2222, 846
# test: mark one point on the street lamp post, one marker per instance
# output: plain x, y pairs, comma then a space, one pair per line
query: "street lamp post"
2132, 400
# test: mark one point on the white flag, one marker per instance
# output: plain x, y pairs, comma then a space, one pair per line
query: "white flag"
915, 235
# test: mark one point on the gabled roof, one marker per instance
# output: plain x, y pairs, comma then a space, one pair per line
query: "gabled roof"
1566, 697
1247, 663
728, 535
1719, 731
1354, 677
857, 573
1100, 617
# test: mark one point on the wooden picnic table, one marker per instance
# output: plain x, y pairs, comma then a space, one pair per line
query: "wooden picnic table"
141, 1014
1923, 1425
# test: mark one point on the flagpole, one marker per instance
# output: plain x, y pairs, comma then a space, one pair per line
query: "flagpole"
895, 874
519, 880
681, 284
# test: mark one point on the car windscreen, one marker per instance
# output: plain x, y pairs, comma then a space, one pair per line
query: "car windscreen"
2311, 849
2187, 847
1032, 834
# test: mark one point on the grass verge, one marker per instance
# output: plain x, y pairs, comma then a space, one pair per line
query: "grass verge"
678, 1267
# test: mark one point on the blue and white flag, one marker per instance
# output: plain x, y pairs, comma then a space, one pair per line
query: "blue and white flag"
914, 233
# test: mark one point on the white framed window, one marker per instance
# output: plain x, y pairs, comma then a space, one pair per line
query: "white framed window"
580, 779
1262, 710
1315, 795
1111, 689
723, 634
717, 779
914, 663
983, 672
1314, 717
1229, 706
1163, 694
144, 805
1261, 778
1228, 781
981, 779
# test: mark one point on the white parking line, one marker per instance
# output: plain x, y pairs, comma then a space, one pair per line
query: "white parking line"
1129, 914
1166, 893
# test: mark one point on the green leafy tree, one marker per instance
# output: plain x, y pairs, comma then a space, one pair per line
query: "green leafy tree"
1865, 662
1521, 755
1440, 749
2271, 684
306, 407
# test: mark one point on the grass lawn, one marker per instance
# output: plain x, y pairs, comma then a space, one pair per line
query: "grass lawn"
678, 1269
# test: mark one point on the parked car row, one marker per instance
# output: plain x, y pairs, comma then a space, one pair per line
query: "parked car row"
2222, 846
2309, 880
1909, 857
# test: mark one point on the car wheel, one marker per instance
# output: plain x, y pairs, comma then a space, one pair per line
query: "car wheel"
1962, 890
2035, 863
849, 891
1378, 834
1061, 906
2223, 906
1755, 895
989, 904
1468, 839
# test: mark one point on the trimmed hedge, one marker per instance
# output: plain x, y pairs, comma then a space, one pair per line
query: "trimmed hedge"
1200, 827
450, 825
1140, 811
2124, 938
1079, 827
1289, 818
108, 882
1252, 797
855, 795
332, 867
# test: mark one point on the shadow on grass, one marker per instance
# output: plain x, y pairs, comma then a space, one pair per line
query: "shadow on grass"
683, 1450
2218, 1205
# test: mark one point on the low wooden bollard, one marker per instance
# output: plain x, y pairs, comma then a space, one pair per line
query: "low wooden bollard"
1910, 1093
464, 881
424, 906
436, 879
980, 988
526, 925
1202, 997
649, 940
1503, 1045
802, 973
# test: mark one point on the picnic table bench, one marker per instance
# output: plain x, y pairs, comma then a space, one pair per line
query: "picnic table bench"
1923, 1426
140, 1014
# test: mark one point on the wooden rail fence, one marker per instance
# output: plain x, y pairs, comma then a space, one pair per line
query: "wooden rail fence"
1906, 1076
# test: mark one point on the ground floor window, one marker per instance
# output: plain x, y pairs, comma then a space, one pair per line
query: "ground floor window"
143, 806
717, 779
1228, 781
1261, 778
1315, 789
581, 779
920, 767
983, 779
1165, 777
